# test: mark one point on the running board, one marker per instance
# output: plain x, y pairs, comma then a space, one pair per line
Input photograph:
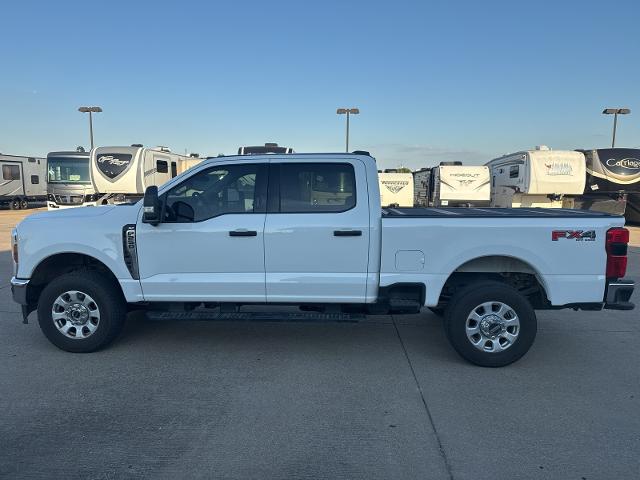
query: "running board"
258, 316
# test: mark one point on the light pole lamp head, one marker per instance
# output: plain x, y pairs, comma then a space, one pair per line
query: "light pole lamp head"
618, 111
90, 109
352, 111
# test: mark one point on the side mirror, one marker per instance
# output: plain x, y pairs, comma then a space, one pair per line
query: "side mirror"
151, 206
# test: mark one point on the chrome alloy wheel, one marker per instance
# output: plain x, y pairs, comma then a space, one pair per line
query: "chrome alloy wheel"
492, 327
75, 314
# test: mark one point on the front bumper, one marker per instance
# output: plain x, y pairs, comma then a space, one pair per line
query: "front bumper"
618, 294
19, 290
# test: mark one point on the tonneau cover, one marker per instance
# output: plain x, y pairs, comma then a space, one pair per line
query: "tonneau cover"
426, 212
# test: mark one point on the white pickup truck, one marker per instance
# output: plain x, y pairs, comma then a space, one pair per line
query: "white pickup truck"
308, 230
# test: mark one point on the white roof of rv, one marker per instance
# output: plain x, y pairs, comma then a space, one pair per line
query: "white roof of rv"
533, 153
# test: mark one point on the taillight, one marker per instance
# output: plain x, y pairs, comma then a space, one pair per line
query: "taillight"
616, 245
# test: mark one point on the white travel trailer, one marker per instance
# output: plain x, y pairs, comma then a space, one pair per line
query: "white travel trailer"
187, 162
455, 185
421, 187
121, 174
537, 178
22, 180
396, 189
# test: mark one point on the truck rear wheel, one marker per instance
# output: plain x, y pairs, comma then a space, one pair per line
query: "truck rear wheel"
81, 311
490, 324
14, 204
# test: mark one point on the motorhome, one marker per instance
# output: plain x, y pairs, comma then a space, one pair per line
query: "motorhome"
537, 178
396, 188
23, 181
69, 181
262, 149
121, 174
452, 184
421, 187
612, 182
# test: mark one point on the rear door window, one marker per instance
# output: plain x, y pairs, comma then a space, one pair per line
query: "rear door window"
317, 187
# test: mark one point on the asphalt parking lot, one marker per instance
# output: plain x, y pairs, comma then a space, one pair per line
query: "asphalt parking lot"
382, 398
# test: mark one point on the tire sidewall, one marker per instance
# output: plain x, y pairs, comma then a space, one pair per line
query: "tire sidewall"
95, 289
473, 296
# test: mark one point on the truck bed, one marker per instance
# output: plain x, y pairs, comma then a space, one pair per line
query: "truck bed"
453, 212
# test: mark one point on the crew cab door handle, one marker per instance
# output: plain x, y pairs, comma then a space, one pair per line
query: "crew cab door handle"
347, 233
243, 233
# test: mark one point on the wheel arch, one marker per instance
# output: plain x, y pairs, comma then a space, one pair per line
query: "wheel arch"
61, 263
500, 267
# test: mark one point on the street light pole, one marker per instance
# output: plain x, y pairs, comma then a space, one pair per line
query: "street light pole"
615, 112
90, 111
347, 111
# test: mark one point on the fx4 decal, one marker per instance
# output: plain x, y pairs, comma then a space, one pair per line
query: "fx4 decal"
577, 235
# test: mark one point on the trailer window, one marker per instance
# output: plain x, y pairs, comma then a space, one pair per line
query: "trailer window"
11, 172
35, 179
174, 169
514, 171
217, 191
317, 187
162, 166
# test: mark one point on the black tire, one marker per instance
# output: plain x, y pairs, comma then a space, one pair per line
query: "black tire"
465, 301
108, 298
24, 204
14, 204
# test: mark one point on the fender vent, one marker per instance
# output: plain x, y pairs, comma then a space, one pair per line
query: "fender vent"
129, 251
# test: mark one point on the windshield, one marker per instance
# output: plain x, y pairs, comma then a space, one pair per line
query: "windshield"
68, 170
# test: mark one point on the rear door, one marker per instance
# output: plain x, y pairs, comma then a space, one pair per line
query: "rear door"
317, 232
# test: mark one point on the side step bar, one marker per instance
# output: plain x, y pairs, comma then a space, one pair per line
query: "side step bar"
257, 316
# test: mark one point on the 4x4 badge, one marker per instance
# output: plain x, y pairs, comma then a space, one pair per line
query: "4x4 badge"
578, 235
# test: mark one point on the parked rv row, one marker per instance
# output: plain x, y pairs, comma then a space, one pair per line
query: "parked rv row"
106, 175
606, 180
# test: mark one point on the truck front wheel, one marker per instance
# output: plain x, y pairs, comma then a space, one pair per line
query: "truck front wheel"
490, 324
81, 311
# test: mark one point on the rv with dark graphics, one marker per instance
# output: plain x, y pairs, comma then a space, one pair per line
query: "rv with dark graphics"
421, 187
121, 174
22, 181
613, 182
69, 181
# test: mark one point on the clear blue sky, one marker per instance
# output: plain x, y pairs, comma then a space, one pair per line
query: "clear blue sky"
433, 80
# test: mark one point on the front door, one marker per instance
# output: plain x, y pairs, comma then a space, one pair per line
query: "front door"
209, 246
317, 232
